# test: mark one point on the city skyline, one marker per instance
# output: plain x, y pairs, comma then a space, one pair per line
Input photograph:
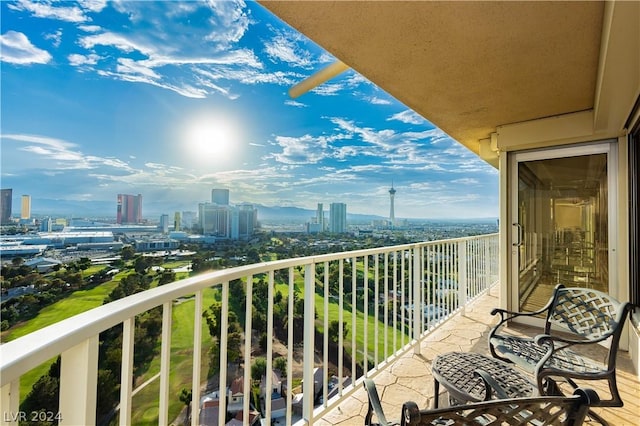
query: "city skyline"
172, 99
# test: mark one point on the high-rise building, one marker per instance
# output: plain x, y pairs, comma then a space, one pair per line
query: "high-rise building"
215, 219
129, 209
244, 221
229, 222
6, 199
338, 217
177, 219
164, 223
220, 196
189, 219
392, 213
25, 210
320, 216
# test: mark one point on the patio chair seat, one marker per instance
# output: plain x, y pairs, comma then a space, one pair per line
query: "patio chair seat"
526, 354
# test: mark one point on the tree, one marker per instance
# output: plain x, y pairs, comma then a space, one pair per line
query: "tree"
334, 330
166, 277
280, 363
185, 398
128, 252
258, 368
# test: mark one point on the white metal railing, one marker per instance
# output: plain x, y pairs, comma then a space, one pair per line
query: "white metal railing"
401, 294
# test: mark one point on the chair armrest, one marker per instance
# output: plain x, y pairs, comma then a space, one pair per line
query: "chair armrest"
490, 384
513, 314
374, 405
541, 339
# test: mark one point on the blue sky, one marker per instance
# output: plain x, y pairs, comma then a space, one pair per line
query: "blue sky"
170, 99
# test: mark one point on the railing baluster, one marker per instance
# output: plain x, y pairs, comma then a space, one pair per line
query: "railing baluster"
290, 324
78, 383
309, 339
395, 301
386, 300
246, 386
365, 308
165, 358
354, 330
340, 326
224, 339
10, 402
197, 359
417, 304
325, 338
462, 275
269, 374
403, 301
126, 373
376, 301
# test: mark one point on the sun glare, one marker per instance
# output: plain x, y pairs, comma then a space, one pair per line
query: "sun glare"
213, 139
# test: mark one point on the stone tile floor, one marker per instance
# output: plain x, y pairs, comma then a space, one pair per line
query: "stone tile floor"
409, 378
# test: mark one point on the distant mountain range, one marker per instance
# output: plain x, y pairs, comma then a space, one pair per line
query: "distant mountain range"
152, 211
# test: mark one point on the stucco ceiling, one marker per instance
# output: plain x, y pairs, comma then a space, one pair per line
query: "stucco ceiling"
467, 67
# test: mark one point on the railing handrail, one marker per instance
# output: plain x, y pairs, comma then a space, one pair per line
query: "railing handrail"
27, 352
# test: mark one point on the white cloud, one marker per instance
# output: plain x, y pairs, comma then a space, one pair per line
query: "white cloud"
62, 155
51, 10
79, 60
295, 103
408, 117
288, 47
328, 89
56, 38
378, 101
230, 21
465, 181
302, 150
90, 28
17, 49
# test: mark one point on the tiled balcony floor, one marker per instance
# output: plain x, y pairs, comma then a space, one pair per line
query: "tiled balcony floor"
410, 377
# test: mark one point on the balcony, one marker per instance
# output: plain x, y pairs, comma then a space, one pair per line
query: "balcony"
383, 336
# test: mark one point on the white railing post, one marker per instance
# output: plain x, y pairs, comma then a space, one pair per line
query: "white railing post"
78, 383
224, 334
126, 374
309, 341
165, 364
248, 310
290, 322
269, 374
10, 403
197, 360
462, 275
417, 306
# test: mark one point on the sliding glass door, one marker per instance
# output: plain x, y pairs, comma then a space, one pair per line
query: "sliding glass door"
561, 225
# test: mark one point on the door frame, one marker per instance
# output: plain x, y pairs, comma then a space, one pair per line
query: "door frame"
609, 147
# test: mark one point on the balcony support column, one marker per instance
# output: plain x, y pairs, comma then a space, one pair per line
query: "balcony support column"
78, 383
309, 339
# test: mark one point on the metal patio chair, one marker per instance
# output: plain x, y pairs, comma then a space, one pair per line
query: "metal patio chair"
533, 411
584, 317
